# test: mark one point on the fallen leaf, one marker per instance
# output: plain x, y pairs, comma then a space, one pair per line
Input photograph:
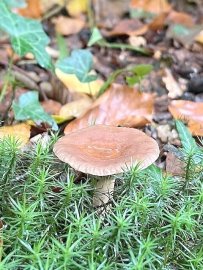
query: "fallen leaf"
59, 119
199, 37
68, 26
180, 18
76, 7
127, 27
171, 84
76, 108
151, 6
51, 106
73, 84
32, 10
119, 106
20, 131
191, 112
158, 22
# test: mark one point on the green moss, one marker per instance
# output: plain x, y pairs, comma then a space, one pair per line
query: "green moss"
155, 221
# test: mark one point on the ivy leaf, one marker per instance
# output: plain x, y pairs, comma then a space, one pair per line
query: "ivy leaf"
132, 80
29, 108
140, 71
15, 3
27, 36
79, 63
95, 37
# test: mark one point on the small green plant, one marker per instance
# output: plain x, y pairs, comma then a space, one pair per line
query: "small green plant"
29, 108
26, 35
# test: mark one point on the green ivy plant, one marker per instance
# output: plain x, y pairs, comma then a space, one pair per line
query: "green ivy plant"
27, 36
29, 108
16, 3
80, 63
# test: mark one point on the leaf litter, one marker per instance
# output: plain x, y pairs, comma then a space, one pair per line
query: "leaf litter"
146, 21
96, 48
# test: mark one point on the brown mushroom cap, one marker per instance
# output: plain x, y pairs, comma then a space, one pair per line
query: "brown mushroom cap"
105, 150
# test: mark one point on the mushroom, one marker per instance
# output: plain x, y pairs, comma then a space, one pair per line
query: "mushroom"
103, 150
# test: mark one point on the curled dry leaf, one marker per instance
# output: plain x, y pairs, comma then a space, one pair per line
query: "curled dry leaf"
171, 84
76, 108
73, 84
191, 112
128, 27
51, 106
151, 6
118, 106
68, 26
20, 131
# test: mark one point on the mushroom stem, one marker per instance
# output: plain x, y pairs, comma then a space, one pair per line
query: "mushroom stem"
104, 188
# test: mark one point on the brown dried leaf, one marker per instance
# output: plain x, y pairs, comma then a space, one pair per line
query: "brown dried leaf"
128, 27
32, 10
151, 6
118, 106
190, 111
68, 26
180, 18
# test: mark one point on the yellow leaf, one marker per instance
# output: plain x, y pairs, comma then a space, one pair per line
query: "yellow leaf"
73, 84
76, 7
61, 118
199, 37
20, 131
76, 108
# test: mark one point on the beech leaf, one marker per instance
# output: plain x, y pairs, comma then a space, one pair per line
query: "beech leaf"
118, 106
189, 111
